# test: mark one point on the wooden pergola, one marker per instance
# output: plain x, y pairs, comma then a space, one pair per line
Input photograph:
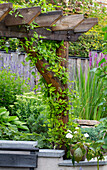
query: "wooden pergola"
52, 26
67, 28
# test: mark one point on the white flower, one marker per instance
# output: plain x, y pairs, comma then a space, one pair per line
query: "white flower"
75, 132
69, 131
68, 135
77, 128
86, 135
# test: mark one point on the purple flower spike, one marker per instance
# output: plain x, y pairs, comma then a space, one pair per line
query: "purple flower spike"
96, 55
9, 57
90, 61
90, 54
101, 55
90, 58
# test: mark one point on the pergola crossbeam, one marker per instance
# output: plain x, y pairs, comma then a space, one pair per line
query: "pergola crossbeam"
86, 25
5, 9
22, 16
48, 19
68, 22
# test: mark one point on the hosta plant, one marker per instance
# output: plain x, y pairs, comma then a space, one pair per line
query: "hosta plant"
10, 126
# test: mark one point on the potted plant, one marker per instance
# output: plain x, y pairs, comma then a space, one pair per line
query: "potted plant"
77, 143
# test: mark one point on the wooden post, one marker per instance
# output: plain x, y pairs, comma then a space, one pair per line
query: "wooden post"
62, 52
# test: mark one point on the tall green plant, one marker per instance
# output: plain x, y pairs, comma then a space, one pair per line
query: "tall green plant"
89, 97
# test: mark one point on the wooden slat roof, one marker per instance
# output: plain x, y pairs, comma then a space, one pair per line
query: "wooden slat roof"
66, 27
22, 16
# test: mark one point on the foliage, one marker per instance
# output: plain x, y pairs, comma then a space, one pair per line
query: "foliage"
10, 126
86, 42
83, 142
31, 109
94, 38
76, 142
40, 131
10, 85
97, 133
28, 107
104, 29
101, 73
98, 148
90, 97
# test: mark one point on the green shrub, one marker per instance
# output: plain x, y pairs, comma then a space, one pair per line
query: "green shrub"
28, 105
10, 126
10, 86
98, 132
89, 41
40, 131
31, 108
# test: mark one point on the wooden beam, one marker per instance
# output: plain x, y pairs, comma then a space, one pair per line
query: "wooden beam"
28, 15
48, 19
21, 32
86, 25
58, 35
68, 22
5, 8
12, 32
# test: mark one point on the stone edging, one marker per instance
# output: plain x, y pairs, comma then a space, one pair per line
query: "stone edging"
51, 153
68, 163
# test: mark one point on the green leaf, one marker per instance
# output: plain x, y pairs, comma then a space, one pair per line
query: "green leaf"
104, 29
105, 36
102, 61
33, 73
20, 15
78, 154
104, 146
11, 118
23, 127
93, 70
